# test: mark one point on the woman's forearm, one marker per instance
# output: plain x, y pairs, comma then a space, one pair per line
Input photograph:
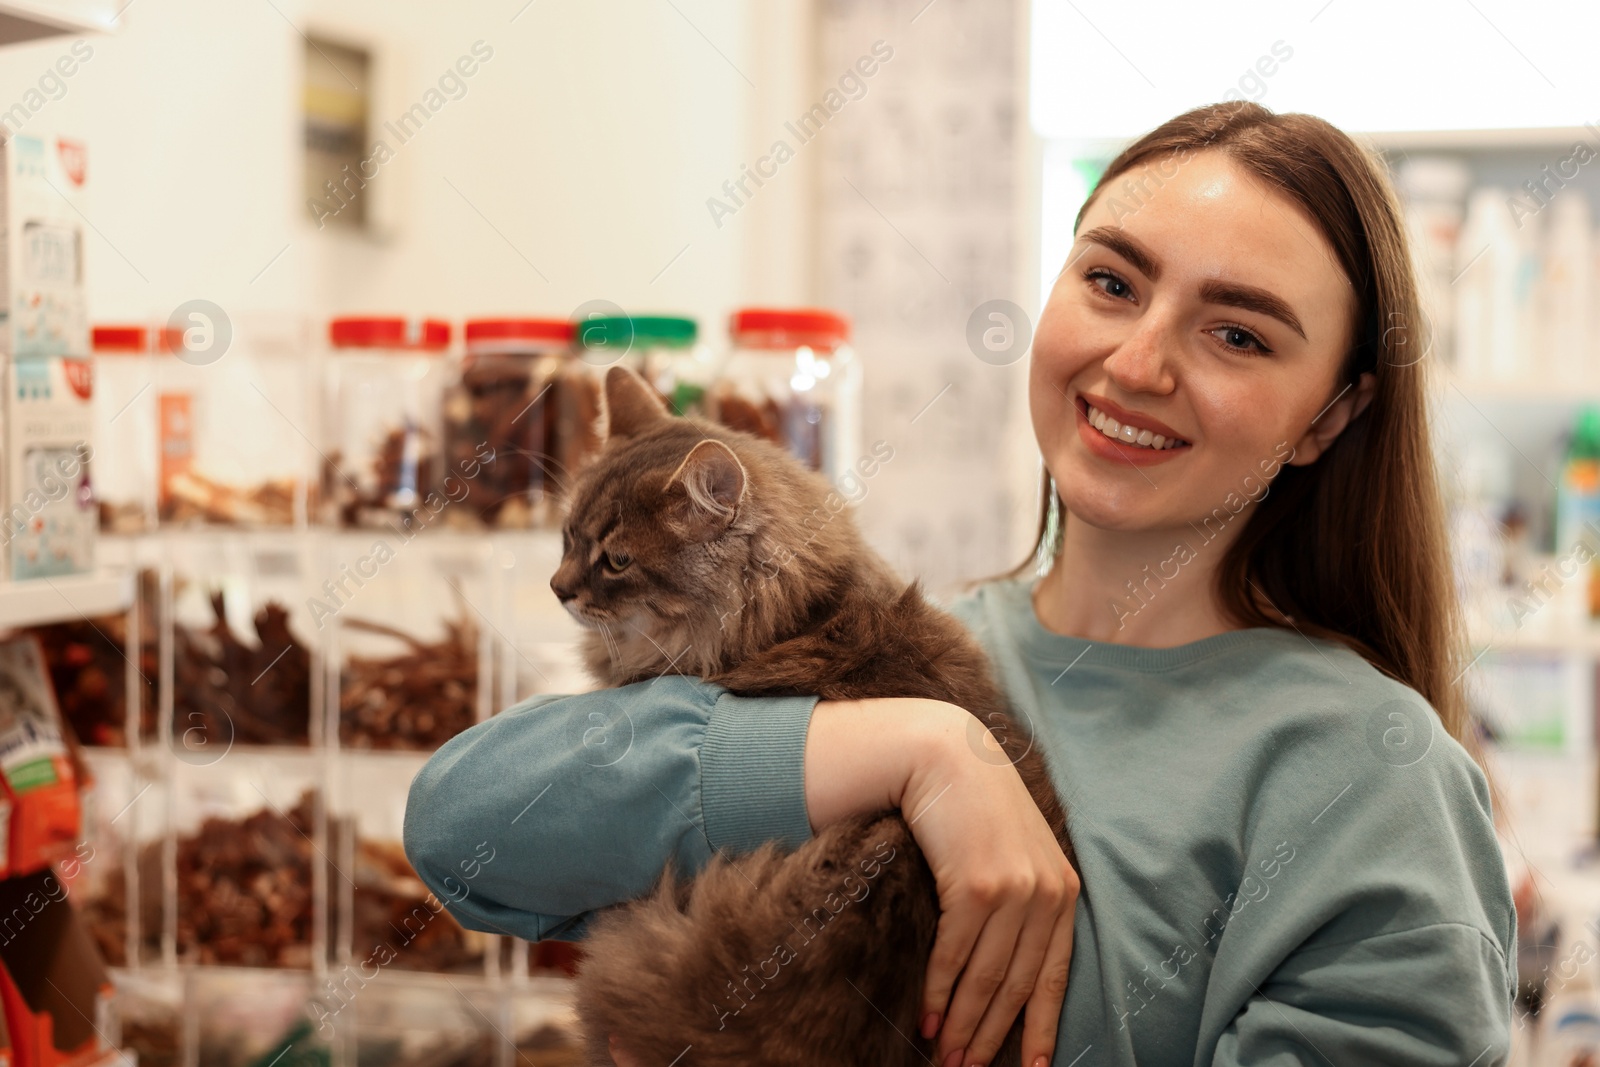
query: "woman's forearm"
862, 754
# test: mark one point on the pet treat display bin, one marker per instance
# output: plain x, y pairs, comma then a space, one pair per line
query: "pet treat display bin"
235, 419
793, 379
124, 466
499, 424
666, 349
386, 379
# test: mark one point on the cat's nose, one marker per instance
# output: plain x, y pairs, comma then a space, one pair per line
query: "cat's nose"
562, 592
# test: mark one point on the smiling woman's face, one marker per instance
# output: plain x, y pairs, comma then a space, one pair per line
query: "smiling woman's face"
1213, 312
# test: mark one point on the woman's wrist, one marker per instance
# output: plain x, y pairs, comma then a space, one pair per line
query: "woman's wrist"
868, 755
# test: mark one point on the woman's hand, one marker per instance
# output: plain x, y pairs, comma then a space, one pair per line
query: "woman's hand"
1007, 897
1006, 892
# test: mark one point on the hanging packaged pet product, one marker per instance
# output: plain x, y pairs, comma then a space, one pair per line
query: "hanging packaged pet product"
38, 776
51, 518
42, 210
43, 318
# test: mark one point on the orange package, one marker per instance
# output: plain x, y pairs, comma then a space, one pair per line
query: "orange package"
40, 812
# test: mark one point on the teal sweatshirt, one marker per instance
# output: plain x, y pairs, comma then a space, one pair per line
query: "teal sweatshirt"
1285, 858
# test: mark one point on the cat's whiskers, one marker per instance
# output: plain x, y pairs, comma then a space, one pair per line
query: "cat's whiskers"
611, 642
671, 661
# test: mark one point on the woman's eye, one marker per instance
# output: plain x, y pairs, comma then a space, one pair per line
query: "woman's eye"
1240, 339
1113, 287
617, 562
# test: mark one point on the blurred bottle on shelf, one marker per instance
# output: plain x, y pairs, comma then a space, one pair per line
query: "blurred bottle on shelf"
1434, 189
1488, 265
1569, 1018
1480, 491
1566, 287
1578, 505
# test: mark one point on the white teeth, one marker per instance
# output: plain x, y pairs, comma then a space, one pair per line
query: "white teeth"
1129, 434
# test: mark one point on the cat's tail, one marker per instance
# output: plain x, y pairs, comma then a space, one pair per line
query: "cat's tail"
774, 959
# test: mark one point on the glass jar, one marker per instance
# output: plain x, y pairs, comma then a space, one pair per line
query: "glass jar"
666, 349
234, 424
793, 379
575, 432
124, 473
501, 407
386, 379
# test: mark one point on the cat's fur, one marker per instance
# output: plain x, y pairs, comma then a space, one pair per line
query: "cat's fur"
743, 567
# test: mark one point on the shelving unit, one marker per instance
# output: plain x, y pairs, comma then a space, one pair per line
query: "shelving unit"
38, 601
34, 20
154, 794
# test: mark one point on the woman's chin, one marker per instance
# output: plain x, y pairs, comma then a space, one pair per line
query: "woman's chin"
1113, 513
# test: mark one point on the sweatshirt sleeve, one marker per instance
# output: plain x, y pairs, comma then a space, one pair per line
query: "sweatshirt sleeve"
529, 822
1377, 926
1429, 996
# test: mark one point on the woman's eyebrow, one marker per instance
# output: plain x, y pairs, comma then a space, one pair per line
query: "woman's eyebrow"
1126, 247
1250, 298
1232, 294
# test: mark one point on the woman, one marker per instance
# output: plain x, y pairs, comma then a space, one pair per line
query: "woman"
1249, 698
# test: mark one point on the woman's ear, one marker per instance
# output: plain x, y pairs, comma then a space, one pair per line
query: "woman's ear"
1326, 427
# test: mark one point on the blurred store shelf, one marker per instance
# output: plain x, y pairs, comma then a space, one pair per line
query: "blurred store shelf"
1576, 640
38, 601
23, 21
1480, 140
1533, 390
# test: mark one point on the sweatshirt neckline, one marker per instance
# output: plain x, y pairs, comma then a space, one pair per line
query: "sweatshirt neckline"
1070, 650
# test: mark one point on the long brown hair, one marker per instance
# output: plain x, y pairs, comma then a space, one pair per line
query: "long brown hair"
1352, 547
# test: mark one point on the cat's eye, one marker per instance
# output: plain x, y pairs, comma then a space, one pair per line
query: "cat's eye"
617, 562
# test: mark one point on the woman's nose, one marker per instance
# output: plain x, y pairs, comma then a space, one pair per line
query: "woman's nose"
1143, 362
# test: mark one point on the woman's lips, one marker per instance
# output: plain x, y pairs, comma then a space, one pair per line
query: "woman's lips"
1106, 448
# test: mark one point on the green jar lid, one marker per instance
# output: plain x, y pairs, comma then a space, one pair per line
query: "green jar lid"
643, 331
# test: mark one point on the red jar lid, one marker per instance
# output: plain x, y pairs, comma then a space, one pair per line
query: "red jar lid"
169, 339
389, 332
789, 327
481, 330
112, 339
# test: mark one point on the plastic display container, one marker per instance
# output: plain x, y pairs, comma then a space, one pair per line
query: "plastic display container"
234, 426
245, 864
537, 647
414, 1020
124, 472
498, 422
241, 652
114, 875
104, 669
386, 379
793, 379
387, 918
408, 624
666, 349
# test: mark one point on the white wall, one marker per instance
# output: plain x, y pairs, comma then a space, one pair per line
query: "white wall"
586, 146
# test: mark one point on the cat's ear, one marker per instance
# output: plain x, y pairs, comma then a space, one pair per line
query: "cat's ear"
713, 483
631, 404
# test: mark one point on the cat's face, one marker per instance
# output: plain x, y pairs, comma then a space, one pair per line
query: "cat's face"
653, 533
